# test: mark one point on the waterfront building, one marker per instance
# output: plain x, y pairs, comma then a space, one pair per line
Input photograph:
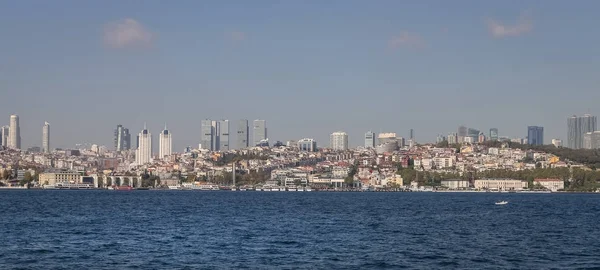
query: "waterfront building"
577, 127
164, 143
242, 134
60, 177
4, 132
493, 134
339, 141
500, 184
308, 145
369, 139
143, 154
535, 135
259, 131
122, 139
550, 184
455, 183
46, 137
14, 137
224, 135
208, 134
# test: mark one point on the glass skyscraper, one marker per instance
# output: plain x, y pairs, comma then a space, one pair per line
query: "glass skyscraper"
535, 135
493, 134
259, 131
577, 127
242, 134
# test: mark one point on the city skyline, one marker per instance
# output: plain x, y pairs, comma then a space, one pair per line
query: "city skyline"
425, 67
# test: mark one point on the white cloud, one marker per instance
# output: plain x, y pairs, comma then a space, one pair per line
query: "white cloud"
499, 30
127, 33
406, 39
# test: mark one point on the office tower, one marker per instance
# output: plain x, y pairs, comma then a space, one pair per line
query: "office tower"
4, 131
46, 138
143, 154
474, 134
14, 137
260, 131
535, 135
137, 142
126, 139
577, 127
216, 130
242, 134
591, 140
339, 141
122, 139
224, 135
401, 142
412, 134
462, 133
206, 140
369, 139
164, 143
452, 138
308, 145
493, 134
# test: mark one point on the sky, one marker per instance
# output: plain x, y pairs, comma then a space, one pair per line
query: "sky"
309, 68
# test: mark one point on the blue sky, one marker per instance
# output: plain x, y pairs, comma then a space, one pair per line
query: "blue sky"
308, 67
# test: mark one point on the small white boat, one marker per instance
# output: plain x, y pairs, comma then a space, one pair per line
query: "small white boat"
501, 203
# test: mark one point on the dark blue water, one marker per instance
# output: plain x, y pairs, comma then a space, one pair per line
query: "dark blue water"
283, 230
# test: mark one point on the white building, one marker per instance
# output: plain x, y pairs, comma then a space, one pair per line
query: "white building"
550, 184
4, 131
339, 141
591, 140
386, 137
500, 184
14, 137
455, 183
164, 143
557, 142
46, 138
143, 154
369, 139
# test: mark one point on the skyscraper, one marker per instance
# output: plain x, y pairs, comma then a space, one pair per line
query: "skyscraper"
411, 134
370, 139
577, 127
462, 133
143, 154
242, 134
339, 141
535, 135
259, 131
493, 134
216, 130
122, 139
206, 140
164, 143
4, 132
14, 138
224, 135
46, 138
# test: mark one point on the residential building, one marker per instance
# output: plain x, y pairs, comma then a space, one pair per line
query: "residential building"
339, 141
46, 137
493, 134
440, 138
259, 131
557, 142
308, 145
500, 184
452, 138
143, 154
4, 132
224, 135
14, 138
242, 134
208, 134
577, 127
535, 135
369, 139
164, 143
550, 184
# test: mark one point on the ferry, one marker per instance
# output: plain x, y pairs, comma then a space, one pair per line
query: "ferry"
174, 187
69, 186
292, 189
308, 189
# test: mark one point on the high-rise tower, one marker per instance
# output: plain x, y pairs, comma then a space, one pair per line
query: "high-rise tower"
369, 139
143, 154
4, 132
164, 143
224, 135
207, 137
14, 138
46, 138
259, 131
242, 134
339, 141
577, 127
